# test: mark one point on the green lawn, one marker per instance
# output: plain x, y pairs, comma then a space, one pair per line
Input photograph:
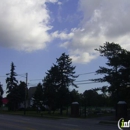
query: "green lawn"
90, 113
43, 114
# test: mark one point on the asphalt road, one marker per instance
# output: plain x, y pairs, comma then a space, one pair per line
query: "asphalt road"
10, 122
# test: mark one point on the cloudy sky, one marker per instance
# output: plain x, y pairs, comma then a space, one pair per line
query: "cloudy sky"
33, 33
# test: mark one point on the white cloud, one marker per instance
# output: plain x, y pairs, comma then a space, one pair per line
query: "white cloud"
62, 35
59, 3
24, 24
103, 21
80, 56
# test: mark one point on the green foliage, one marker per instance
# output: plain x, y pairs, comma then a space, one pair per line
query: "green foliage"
21, 91
66, 78
15, 92
66, 70
1, 90
117, 71
50, 88
75, 96
38, 96
1, 93
12, 85
57, 81
91, 98
11, 80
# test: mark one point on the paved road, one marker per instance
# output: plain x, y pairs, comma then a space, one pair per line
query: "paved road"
10, 122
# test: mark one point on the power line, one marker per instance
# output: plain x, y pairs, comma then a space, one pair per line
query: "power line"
82, 80
86, 73
32, 84
88, 83
75, 81
35, 79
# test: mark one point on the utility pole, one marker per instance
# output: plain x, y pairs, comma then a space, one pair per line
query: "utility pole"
25, 93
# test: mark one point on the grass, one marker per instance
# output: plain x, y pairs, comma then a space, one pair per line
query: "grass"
56, 115
43, 114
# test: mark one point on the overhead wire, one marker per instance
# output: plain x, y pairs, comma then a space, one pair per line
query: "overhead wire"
82, 80
21, 75
87, 83
35, 79
86, 73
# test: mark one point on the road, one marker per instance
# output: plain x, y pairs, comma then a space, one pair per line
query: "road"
10, 122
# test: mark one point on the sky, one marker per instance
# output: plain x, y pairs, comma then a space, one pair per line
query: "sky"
33, 33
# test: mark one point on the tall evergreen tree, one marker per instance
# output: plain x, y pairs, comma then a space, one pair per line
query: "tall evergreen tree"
66, 78
11, 80
21, 93
38, 96
66, 71
12, 85
50, 88
117, 71
75, 96
56, 83
1, 94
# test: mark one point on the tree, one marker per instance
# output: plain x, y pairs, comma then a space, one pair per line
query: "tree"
75, 96
21, 92
117, 71
50, 88
12, 85
38, 96
66, 71
104, 90
66, 77
1, 93
11, 80
91, 98
57, 81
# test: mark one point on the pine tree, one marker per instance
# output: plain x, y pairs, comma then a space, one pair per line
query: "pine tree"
117, 70
50, 89
57, 82
12, 90
1, 93
38, 96
21, 91
66, 78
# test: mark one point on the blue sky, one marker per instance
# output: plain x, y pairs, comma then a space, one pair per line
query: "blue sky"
34, 33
